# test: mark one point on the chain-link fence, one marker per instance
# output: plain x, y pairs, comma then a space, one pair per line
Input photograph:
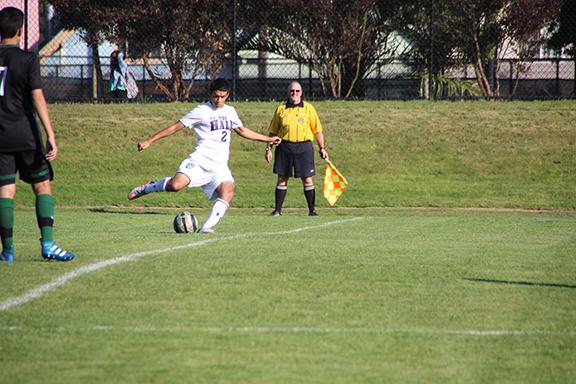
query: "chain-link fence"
374, 49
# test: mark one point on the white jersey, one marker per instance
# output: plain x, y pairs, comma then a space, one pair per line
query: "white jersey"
213, 128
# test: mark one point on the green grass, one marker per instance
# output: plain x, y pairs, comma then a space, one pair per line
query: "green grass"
446, 154
374, 295
371, 291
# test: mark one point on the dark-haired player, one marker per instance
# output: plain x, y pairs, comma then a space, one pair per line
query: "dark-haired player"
206, 167
21, 149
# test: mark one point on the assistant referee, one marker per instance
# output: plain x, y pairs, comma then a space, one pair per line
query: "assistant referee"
297, 124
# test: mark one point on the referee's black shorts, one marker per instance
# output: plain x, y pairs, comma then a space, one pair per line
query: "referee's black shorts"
294, 159
31, 165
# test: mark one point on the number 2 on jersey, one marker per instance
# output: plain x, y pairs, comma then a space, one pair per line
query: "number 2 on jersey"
3, 73
224, 136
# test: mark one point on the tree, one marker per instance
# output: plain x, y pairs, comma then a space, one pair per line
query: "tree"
93, 21
564, 28
474, 31
564, 33
523, 23
340, 39
192, 36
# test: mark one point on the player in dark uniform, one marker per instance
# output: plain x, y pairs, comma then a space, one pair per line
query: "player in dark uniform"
21, 148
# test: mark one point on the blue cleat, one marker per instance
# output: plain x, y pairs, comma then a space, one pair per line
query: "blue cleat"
7, 254
51, 251
139, 191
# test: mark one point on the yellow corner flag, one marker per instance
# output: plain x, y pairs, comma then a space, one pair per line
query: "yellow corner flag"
334, 184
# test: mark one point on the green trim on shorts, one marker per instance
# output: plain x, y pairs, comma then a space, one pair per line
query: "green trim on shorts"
9, 176
40, 174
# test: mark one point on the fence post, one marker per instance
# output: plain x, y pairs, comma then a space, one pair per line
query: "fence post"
143, 84
511, 82
558, 76
431, 53
310, 77
94, 81
26, 24
82, 81
234, 58
379, 94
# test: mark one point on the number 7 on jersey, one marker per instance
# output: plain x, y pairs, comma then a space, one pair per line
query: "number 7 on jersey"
3, 73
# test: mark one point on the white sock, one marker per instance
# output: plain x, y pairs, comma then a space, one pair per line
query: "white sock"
218, 211
157, 186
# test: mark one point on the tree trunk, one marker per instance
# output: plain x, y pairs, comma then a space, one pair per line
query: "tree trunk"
479, 69
156, 81
358, 56
99, 91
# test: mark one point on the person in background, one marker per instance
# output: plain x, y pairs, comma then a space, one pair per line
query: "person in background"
297, 124
118, 72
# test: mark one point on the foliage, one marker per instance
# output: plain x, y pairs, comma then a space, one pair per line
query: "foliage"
191, 36
475, 31
446, 87
341, 39
413, 20
94, 20
564, 28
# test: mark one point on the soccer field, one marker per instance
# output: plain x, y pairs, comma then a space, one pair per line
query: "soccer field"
353, 296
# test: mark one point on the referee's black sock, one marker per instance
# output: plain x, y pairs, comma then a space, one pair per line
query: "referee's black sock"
281, 191
310, 194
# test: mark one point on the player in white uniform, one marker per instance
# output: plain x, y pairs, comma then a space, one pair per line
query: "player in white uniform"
207, 166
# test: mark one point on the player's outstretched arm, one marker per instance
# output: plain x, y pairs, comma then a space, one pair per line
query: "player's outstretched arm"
142, 145
249, 134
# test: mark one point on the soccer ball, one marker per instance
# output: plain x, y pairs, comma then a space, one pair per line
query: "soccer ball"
185, 222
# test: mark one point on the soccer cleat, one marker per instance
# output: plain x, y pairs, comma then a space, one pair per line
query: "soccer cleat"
206, 230
51, 251
139, 191
7, 254
313, 213
276, 213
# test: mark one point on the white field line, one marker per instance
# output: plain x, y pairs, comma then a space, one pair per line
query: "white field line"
41, 290
312, 330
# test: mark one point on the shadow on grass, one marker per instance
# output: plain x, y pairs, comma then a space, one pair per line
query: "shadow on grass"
130, 211
539, 284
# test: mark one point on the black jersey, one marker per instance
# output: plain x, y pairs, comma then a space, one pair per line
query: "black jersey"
19, 76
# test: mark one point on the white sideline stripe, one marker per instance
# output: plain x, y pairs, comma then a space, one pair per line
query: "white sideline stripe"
466, 332
89, 268
321, 330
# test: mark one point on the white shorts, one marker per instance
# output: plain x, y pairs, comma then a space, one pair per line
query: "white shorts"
207, 179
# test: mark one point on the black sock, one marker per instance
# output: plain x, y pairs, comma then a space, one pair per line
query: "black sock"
281, 191
310, 194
